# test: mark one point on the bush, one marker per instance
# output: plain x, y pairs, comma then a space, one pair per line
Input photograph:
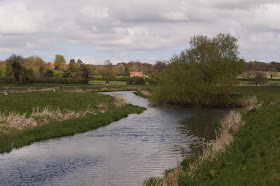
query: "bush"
153, 81
48, 73
135, 81
129, 81
139, 81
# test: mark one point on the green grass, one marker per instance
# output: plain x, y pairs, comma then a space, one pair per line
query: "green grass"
103, 82
270, 82
254, 156
25, 102
63, 128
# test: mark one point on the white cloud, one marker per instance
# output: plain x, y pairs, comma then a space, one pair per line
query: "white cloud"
85, 59
126, 26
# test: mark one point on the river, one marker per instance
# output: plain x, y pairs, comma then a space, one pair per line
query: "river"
126, 152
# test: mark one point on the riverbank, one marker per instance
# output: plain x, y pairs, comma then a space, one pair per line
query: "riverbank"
34, 116
252, 158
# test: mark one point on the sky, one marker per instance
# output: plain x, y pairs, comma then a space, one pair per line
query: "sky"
134, 30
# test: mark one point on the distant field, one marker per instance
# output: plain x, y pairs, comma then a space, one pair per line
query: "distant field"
103, 82
270, 82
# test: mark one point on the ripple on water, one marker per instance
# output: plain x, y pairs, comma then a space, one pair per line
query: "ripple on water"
125, 152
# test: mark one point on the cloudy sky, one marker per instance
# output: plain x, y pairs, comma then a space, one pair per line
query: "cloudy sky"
125, 30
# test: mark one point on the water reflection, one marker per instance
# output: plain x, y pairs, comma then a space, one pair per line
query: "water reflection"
125, 152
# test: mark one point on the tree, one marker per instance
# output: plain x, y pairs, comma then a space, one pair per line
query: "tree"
34, 61
259, 78
73, 66
15, 62
203, 74
126, 72
59, 61
119, 69
84, 72
107, 75
41, 71
160, 66
272, 72
49, 73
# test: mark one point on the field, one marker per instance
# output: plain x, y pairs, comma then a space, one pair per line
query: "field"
103, 82
253, 156
34, 112
270, 82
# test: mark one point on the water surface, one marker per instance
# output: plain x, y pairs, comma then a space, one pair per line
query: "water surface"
126, 152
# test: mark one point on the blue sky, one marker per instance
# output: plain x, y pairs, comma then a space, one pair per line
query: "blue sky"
131, 30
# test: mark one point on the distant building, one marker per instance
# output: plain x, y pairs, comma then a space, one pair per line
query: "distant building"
51, 66
136, 74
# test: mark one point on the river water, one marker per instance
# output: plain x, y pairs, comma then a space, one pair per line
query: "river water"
126, 152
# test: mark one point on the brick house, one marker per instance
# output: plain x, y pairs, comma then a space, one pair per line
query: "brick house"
136, 74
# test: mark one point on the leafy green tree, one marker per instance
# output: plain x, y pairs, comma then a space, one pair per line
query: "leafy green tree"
59, 61
73, 66
84, 72
126, 72
15, 62
49, 73
119, 69
107, 75
41, 71
6, 71
203, 74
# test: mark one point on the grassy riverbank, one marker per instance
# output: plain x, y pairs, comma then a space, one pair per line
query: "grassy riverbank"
29, 117
56, 129
253, 156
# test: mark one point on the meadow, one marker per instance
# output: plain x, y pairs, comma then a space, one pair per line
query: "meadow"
35, 112
252, 158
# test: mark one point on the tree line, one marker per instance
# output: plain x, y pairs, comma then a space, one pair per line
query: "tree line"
29, 69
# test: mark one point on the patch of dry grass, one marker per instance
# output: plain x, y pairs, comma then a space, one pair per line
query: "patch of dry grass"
249, 103
119, 101
15, 120
145, 93
225, 136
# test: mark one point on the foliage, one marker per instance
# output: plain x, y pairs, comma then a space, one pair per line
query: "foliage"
15, 62
160, 66
203, 74
259, 78
107, 75
49, 73
35, 62
73, 66
59, 61
135, 81
67, 74
126, 72
154, 81
119, 69
84, 72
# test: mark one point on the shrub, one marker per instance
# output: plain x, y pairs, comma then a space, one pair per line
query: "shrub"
139, 81
129, 81
153, 81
